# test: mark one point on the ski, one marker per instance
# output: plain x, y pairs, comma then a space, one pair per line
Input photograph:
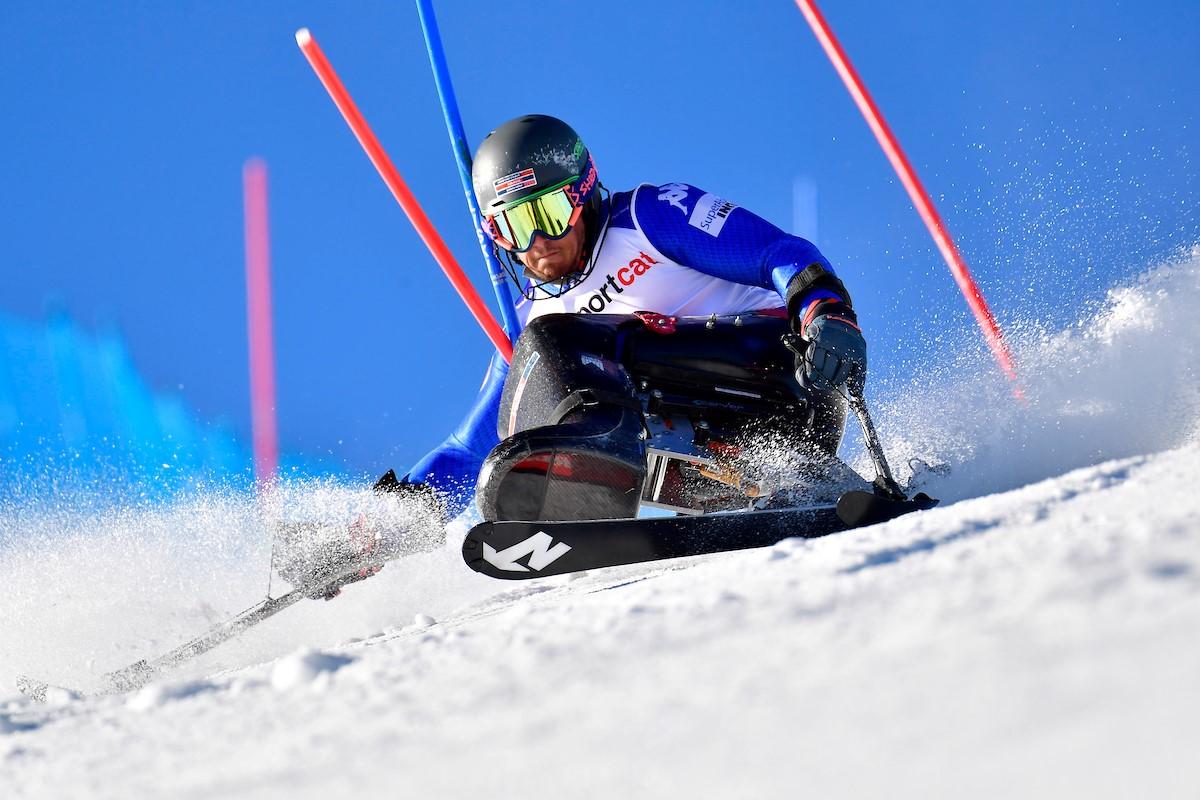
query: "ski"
857, 509
139, 673
518, 550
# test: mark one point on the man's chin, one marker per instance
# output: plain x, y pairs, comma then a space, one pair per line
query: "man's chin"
548, 274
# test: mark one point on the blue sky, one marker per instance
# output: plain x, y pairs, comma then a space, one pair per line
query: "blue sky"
1057, 138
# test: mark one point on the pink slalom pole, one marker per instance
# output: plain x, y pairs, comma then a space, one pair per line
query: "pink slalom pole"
916, 192
404, 196
258, 310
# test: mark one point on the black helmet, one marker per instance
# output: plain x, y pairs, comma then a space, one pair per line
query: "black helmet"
524, 157
534, 176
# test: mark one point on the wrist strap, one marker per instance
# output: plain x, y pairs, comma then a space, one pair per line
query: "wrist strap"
814, 276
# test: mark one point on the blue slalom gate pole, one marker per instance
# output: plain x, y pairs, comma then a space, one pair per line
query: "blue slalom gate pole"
462, 155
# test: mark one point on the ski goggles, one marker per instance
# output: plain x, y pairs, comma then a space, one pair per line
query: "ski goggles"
551, 214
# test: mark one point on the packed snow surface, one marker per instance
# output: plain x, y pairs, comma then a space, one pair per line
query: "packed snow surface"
1035, 636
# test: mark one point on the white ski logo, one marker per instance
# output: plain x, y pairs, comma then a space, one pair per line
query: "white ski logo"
540, 548
675, 194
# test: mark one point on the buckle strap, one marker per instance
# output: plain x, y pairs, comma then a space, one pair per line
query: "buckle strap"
590, 398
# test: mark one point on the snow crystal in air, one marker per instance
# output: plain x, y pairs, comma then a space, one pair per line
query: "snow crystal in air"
1122, 381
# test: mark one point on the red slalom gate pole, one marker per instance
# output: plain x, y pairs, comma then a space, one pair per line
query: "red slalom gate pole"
916, 192
264, 432
404, 196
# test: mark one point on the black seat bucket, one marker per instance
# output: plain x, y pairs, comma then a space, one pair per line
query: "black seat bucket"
573, 437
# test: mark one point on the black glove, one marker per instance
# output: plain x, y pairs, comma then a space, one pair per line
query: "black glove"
368, 540
832, 350
388, 482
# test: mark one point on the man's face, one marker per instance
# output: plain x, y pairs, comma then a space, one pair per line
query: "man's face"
552, 259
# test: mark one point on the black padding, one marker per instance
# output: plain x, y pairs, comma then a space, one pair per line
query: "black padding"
592, 469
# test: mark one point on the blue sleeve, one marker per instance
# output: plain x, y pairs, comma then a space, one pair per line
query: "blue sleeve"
711, 235
453, 466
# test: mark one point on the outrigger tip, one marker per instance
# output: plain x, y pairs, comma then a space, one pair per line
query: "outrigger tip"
303, 37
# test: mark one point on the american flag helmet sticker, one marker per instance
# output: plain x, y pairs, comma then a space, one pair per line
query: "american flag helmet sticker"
514, 182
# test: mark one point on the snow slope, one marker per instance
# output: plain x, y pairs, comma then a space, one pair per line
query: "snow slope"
1036, 638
